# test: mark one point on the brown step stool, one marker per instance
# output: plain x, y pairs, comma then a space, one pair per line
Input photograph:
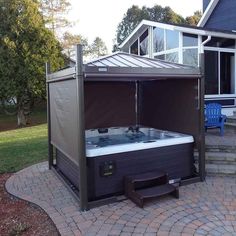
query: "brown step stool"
148, 185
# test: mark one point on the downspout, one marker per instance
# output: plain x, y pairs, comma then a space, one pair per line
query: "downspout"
204, 43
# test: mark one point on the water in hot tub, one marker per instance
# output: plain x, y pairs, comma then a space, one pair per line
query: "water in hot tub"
131, 135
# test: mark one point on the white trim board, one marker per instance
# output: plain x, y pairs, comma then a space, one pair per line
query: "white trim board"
210, 8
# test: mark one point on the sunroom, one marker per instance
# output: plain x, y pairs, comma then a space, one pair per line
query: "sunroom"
182, 44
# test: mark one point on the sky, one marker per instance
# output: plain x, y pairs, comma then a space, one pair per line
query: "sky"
100, 18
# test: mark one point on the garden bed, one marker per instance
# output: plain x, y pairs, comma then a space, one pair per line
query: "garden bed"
19, 217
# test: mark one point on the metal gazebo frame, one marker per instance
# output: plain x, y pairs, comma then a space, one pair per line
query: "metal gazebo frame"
110, 69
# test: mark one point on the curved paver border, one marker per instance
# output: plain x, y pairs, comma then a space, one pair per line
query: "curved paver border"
207, 208
36, 184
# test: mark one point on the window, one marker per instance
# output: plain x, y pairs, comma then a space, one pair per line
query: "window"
134, 48
190, 57
190, 40
211, 72
172, 57
160, 57
144, 43
226, 73
219, 79
172, 39
158, 39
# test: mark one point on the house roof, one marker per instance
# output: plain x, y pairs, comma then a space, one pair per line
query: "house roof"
210, 8
144, 24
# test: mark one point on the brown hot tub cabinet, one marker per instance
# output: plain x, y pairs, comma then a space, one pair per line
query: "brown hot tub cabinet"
106, 172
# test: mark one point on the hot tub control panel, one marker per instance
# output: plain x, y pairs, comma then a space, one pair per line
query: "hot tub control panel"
107, 168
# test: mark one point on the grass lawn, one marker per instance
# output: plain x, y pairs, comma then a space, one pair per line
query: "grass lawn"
20, 148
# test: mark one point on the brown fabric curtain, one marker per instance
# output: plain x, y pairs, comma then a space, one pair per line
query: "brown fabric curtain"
109, 104
64, 118
170, 105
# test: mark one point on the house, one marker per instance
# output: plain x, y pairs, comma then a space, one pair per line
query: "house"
182, 44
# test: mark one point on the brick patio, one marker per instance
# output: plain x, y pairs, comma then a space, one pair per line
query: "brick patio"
207, 208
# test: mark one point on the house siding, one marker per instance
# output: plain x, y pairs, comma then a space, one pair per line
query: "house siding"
223, 17
205, 4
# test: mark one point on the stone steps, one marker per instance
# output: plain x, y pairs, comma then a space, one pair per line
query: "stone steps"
231, 119
230, 123
221, 169
220, 162
220, 149
230, 127
220, 158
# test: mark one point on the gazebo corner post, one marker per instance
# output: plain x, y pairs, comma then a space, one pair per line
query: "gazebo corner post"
201, 157
83, 188
50, 147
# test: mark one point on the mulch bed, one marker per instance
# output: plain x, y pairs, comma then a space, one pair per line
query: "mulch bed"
18, 217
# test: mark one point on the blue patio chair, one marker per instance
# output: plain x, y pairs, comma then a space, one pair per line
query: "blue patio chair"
214, 118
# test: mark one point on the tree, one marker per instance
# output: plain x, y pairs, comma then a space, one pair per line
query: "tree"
115, 47
193, 20
135, 15
70, 40
54, 12
131, 19
164, 15
25, 46
98, 48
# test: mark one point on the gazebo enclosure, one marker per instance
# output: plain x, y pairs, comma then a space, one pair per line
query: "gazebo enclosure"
120, 90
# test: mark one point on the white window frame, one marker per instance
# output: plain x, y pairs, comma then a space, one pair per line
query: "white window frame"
179, 49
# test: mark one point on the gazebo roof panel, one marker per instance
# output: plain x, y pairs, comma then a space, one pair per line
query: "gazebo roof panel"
121, 59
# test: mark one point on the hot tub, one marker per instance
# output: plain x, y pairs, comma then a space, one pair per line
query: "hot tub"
106, 141
113, 153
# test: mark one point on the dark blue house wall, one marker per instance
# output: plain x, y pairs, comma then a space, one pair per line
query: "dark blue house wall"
224, 16
205, 4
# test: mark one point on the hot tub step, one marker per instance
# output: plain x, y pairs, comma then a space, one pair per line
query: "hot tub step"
158, 191
148, 185
149, 176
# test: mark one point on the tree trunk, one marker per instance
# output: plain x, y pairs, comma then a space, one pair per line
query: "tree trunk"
23, 111
21, 119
